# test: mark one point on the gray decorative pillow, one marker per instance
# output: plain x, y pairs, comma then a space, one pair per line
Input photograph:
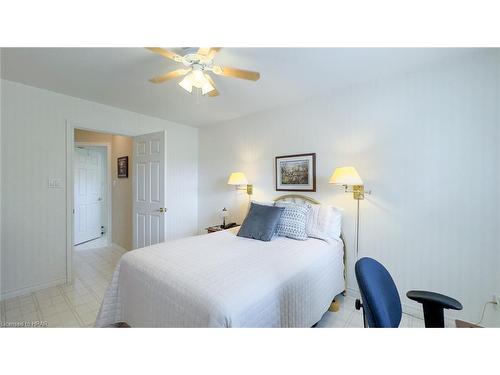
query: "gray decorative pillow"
261, 222
293, 221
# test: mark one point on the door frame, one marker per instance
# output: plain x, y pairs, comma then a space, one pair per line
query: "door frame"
109, 200
70, 144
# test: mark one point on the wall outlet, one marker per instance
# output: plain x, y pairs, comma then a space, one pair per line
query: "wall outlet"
54, 183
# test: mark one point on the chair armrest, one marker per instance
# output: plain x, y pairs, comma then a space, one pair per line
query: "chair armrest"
441, 300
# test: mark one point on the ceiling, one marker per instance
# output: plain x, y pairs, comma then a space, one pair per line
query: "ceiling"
119, 76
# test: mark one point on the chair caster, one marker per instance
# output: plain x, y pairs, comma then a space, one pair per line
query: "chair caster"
358, 305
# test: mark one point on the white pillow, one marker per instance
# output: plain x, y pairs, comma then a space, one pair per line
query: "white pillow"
324, 222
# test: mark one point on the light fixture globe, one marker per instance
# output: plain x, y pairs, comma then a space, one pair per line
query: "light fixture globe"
197, 78
187, 84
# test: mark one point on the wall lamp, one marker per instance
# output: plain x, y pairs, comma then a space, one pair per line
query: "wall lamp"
349, 178
239, 180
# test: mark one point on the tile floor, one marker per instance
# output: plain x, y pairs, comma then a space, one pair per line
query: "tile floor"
77, 304
349, 317
71, 305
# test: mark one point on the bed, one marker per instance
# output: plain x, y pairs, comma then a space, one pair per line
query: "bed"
221, 280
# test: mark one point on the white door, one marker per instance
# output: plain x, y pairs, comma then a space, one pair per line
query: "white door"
88, 201
149, 189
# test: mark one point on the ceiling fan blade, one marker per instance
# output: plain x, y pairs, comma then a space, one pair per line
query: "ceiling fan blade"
166, 53
208, 52
170, 75
203, 51
213, 92
212, 52
237, 73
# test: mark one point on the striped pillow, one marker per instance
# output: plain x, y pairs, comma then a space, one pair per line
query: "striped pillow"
293, 220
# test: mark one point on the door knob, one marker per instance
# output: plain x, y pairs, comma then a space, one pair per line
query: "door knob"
162, 209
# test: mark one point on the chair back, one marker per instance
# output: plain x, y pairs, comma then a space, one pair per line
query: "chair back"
381, 302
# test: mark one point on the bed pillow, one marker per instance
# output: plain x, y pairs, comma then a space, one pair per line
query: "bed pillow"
263, 203
324, 222
261, 222
293, 220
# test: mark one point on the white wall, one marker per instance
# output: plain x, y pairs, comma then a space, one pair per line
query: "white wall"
425, 142
122, 193
33, 149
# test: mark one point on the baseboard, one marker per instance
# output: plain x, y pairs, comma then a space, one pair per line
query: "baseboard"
116, 246
31, 289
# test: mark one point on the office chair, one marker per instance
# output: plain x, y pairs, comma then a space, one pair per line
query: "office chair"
381, 304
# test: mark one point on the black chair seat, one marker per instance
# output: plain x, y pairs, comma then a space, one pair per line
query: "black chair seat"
423, 296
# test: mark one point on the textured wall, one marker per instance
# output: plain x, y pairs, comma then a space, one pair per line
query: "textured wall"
33, 150
425, 142
122, 194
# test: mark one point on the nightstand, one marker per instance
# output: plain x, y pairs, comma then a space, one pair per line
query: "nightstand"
215, 228
218, 228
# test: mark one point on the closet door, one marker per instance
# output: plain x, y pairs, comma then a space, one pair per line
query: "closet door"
149, 189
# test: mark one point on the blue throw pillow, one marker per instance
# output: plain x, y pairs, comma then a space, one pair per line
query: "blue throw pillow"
261, 222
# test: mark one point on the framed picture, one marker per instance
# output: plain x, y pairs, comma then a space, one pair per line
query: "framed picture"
296, 172
123, 167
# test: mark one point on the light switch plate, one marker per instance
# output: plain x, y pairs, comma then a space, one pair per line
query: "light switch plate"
54, 183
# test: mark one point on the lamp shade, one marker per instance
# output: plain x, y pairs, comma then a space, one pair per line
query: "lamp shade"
346, 176
187, 84
237, 178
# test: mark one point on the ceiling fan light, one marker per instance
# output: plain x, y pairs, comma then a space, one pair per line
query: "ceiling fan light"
198, 78
187, 83
207, 87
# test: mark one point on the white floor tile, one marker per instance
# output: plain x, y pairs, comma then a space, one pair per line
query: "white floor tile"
355, 320
69, 305
417, 323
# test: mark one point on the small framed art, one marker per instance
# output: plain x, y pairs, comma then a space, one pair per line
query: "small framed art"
123, 167
296, 172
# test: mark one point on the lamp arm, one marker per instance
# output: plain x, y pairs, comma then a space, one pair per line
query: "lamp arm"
351, 190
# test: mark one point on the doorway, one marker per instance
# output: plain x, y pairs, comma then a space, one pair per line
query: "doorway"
101, 204
135, 199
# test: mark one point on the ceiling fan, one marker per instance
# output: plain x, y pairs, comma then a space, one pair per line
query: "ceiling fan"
197, 68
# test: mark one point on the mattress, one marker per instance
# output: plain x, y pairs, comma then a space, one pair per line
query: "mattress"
221, 280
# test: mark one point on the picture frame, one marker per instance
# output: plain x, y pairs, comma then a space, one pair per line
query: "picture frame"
122, 167
296, 172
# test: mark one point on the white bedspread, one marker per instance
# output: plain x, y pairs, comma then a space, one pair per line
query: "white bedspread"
221, 280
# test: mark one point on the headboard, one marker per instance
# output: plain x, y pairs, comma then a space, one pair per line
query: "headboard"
298, 198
